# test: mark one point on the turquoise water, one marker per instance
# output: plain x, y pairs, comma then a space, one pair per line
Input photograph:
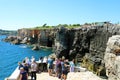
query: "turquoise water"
10, 55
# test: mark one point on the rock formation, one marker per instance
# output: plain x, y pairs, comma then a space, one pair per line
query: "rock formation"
35, 47
86, 44
13, 40
112, 58
41, 37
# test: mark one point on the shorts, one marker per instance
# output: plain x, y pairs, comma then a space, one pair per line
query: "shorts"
65, 72
50, 67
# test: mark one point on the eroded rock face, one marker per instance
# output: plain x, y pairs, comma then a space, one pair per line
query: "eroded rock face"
112, 58
13, 39
61, 47
41, 37
89, 43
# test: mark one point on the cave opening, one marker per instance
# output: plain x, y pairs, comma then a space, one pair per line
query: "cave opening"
49, 42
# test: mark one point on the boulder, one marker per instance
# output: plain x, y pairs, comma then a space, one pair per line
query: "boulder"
16, 41
35, 47
112, 58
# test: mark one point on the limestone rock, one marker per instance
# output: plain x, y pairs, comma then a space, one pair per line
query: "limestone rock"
35, 47
16, 41
112, 61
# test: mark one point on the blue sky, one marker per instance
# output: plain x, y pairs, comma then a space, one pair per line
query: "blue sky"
16, 14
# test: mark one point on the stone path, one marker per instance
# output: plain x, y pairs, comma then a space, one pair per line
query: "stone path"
83, 76
71, 76
45, 76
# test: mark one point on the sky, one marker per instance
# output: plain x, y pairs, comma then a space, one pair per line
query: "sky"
17, 14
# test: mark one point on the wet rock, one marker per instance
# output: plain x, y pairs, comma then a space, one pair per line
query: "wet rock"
25, 40
35, 47
16, 42
13, 39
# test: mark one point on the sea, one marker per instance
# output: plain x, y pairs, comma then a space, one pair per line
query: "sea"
11, 54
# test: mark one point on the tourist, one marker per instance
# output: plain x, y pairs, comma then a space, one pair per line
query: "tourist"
58, 67
27, 60
26, 67
50, 65
55, 68
45, 63
40, 68
33, 70
23, 74
72, 66
32, 59
19, 65
40, 59
64, 69
65, 72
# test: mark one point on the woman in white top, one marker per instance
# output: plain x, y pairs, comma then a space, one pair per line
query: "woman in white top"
33, 70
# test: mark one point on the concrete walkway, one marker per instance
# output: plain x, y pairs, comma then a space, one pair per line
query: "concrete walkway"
87, 75
45, 76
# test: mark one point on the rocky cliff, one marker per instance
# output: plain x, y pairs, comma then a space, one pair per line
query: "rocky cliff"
86, 44
112, 58
36, 36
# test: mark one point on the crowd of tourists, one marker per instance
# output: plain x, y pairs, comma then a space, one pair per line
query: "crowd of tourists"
57, 67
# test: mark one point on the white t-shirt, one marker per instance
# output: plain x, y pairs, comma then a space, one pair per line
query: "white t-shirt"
33, 67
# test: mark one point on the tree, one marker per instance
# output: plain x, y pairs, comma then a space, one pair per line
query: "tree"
44, 25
